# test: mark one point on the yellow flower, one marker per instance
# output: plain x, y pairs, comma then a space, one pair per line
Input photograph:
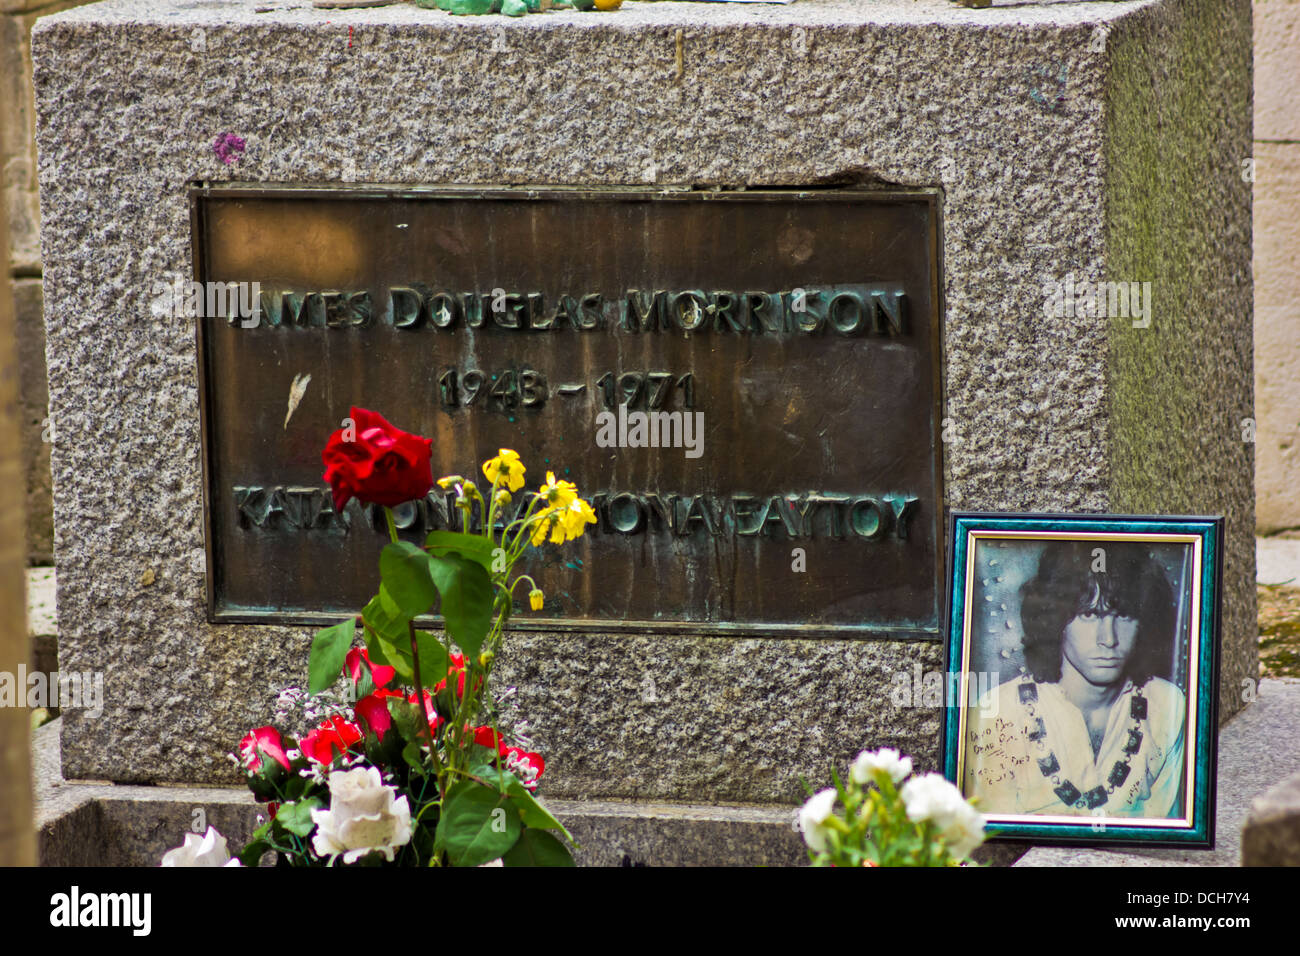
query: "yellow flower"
506, 469
544, 522
501, 498
445, 483
558, 494
576, 517
564, 515
535, 597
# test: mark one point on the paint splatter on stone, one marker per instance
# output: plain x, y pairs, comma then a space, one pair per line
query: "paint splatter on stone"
229, 147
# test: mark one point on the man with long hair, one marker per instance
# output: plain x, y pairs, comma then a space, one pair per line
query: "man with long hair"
1093, 725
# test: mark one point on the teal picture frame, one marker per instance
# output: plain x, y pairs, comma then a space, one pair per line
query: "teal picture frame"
1123, 698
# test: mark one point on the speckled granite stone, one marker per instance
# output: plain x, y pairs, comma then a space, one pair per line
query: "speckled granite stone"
1085, 138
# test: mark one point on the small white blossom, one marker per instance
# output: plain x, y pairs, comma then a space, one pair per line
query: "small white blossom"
206, 850
885, 762
813, 817
957, 823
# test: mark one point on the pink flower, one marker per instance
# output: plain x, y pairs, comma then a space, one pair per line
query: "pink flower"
334, 734
526, 766
372, 711
259, 743
380, 674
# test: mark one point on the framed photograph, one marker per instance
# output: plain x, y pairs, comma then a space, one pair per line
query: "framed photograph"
1082, 652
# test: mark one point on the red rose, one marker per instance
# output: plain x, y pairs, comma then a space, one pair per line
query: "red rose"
487, 737
334, 734
373, 712
259, 743
380, 674
458, 668
430, 711
377, 463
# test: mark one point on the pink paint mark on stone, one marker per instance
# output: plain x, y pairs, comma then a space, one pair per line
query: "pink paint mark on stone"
229, 147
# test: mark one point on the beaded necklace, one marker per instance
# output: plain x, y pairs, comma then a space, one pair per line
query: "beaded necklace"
1050, 767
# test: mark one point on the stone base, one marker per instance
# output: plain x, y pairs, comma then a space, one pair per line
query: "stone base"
98, 824
1034, 120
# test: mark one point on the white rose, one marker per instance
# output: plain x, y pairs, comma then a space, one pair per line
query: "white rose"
965, 830
206, 850
886, 761
935, 799
364, 816
813, 817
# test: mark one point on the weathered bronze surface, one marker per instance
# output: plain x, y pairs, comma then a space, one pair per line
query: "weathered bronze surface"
744, 382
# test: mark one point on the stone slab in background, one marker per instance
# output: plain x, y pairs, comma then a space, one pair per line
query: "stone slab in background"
18, 191
1277, 316
1277, 44
1050, 415
33, 409
17, 149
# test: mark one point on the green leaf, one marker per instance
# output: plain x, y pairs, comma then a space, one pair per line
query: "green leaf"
386, 634
414, 756
399, 658
466, 593
404, 569
252, 853
406, 717
531, 810
433, 659
383, 616
538, 848
472, 546
476, 825
296, 817
329, 649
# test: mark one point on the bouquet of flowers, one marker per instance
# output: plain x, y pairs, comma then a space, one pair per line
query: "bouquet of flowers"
416, 772
925, 822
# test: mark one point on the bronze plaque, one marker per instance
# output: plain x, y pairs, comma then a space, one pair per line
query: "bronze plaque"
745, 384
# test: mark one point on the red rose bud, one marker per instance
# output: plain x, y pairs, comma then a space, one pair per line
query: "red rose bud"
372, 711
458, 668
259, 743
380, 674
376, 463
430, 711
489, 738
335, 734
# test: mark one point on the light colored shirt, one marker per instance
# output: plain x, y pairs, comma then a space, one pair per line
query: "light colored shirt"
1002, 762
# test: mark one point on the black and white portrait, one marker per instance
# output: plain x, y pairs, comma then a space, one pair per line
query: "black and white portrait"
1089, 713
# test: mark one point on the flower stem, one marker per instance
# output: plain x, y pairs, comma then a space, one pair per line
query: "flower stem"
415, 655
